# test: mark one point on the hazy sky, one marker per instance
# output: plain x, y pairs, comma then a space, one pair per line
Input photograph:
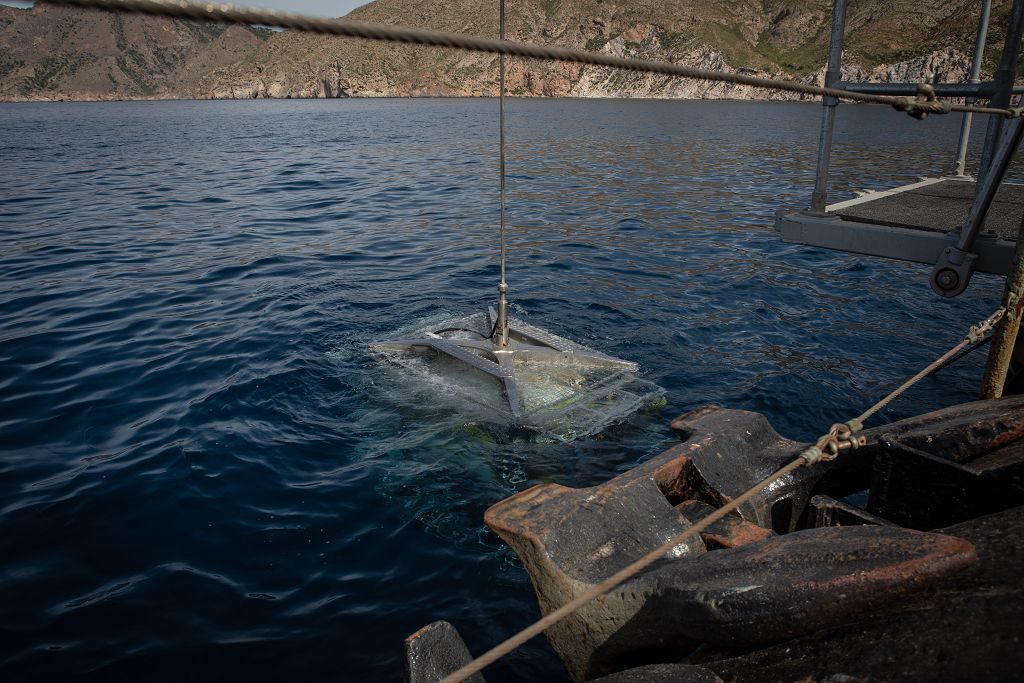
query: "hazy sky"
323, 8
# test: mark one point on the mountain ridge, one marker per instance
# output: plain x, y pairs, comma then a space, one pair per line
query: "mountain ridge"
49, 52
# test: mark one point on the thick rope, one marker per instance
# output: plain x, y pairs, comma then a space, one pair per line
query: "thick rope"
232, 14
822, 450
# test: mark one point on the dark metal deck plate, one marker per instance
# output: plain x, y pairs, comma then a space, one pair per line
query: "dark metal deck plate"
941, 206
913, 223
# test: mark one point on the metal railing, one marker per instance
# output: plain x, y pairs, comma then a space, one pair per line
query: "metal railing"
998, 91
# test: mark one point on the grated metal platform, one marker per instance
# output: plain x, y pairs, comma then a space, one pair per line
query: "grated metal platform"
914, 222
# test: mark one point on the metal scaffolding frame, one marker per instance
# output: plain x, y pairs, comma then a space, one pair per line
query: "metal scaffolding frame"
955, 254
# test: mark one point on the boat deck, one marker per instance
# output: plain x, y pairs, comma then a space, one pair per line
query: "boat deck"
913, 222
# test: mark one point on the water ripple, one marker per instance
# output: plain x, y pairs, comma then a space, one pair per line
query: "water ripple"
203, 473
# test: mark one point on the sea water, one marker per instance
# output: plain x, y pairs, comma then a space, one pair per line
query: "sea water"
200, 475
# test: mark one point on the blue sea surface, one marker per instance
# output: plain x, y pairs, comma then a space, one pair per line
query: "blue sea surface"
203, 475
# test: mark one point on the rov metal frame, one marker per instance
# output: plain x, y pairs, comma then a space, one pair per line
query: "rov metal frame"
499, 357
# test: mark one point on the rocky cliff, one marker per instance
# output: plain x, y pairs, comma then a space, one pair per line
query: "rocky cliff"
52, 53
48, 53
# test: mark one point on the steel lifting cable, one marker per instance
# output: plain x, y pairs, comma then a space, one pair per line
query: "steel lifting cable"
920, 106
501, 323
839, 437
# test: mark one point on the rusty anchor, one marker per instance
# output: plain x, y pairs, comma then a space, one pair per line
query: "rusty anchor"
737, 584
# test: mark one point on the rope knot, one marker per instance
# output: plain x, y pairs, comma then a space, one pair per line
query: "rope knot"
813, 455
978, 332
906, 104
840, 436
925, 103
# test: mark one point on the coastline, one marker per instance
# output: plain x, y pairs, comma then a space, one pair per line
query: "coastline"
173, 98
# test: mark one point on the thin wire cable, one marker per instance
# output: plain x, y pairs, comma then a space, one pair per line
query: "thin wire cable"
975, 336
501, 144
912, 381
232, 14
966, 352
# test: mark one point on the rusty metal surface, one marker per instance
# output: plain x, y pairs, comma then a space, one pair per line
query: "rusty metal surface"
964, 628
1005, 465
725, 452
788, 585
435, 651
730, 532
959, 433
923, 491
827, 511
570, 539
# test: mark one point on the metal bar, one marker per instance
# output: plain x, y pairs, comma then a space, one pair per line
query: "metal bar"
872, 239
1003, 80
982, 89
469, 358
1004, 337
828, 113
988, 187
979, 54
880, 194
508, 383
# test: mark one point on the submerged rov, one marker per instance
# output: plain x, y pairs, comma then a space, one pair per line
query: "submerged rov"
523, 374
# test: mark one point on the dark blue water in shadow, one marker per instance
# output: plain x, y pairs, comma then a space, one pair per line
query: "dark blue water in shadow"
202, 476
